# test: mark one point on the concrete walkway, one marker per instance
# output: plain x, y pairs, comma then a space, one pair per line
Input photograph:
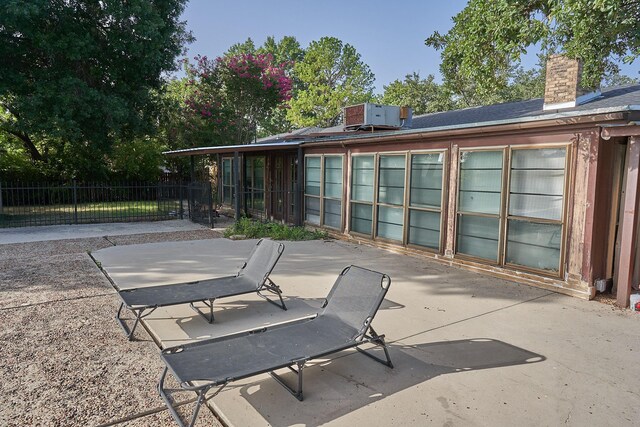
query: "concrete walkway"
467, 349
79, 231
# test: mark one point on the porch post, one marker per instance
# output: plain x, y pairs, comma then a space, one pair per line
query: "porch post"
297, 197
236, 181
629, 224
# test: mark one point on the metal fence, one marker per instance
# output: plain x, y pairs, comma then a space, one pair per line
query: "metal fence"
82, 203
263, 205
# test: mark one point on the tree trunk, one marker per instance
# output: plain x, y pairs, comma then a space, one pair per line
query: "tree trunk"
28, 144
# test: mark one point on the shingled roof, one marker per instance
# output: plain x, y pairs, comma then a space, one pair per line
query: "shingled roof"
623, 96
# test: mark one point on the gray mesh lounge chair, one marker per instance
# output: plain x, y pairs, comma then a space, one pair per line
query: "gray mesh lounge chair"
252, 277
344, 322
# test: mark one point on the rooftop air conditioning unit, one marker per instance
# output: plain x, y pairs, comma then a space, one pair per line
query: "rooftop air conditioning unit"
374, 115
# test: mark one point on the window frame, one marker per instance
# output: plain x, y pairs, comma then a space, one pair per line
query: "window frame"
562, 222
250, 191
504, 216
231, 185
377, 204
322, 196
443, 198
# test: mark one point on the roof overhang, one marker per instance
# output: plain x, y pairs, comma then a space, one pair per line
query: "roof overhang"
477, 129
581, 117
225, 149
620, 130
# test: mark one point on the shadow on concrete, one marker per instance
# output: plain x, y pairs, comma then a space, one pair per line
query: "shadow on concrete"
334, 388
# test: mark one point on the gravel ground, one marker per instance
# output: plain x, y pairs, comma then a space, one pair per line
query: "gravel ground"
65, 361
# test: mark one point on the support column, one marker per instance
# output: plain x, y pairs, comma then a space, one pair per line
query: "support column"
452, 188
629, 224
298, 198
236, 181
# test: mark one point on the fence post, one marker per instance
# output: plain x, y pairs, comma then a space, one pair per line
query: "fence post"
209, 188
75, 202
0, 198
180, 185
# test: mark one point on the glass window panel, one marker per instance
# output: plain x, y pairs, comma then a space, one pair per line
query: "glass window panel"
424, 228
391, 180
361, 218
480, 182
534, 206
391, 195
333, 177
392, 162
226, 171
488, 203
363, 162
537, 183
362, 193
534, 245
478, 236
332, 213
543, 158
489, 180
390, 221
426, 180
481, 160
362, 178
548, 182
312, 210
333, 162
312, 176
426, 198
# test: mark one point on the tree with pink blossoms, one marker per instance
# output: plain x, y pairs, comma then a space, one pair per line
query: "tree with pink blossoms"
231, 95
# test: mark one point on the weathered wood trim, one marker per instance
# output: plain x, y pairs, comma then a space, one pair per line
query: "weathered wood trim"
590, 209
629, 224
579, 205
452, 187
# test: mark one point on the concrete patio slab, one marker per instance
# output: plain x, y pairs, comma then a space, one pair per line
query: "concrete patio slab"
467, 349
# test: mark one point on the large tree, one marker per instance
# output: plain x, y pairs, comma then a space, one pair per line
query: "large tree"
78, 76
232, 94
285, 52
332, 75
490, 36
422, 95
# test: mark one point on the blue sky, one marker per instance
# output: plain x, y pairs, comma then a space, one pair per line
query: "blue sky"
388, 35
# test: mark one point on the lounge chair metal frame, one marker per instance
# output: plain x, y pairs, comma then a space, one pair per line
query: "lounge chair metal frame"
265, 284
365, 335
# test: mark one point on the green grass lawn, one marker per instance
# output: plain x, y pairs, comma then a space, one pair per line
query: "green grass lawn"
89, 213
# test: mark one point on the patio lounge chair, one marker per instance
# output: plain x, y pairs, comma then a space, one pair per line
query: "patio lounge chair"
252, 277
344, 322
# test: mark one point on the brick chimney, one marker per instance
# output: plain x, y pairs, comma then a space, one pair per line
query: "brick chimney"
562, 85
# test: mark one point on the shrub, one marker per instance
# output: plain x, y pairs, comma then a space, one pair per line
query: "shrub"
255, 230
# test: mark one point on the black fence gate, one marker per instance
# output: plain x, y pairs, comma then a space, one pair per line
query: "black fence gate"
202, 203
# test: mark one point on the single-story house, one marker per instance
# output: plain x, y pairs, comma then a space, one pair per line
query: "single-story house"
542, 192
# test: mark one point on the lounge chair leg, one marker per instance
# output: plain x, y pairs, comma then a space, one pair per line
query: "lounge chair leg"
209, 304
379, 341
194, 416
296, 393
270, 286
123, 324
202, 398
